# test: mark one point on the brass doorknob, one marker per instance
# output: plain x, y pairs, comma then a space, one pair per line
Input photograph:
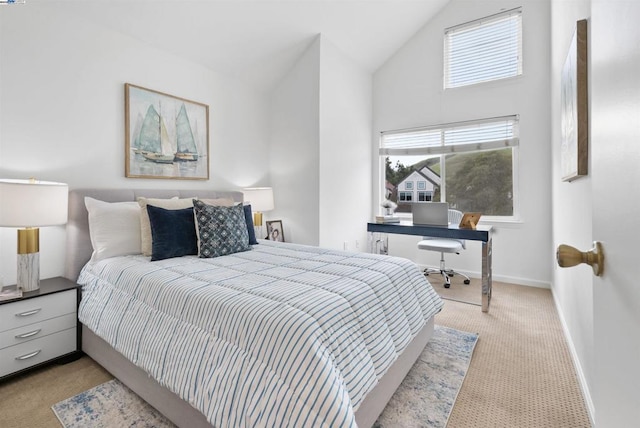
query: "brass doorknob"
568, 256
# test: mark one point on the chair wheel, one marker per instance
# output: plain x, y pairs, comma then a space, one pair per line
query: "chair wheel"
466, 281
447, 285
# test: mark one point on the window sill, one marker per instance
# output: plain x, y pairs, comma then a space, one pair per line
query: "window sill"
490, 221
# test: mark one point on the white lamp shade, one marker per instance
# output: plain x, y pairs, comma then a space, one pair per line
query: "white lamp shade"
260, 198
32, 203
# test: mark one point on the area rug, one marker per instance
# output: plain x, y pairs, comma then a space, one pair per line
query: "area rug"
424, 399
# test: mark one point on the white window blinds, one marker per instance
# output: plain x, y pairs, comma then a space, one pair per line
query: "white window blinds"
483, 50
486, 134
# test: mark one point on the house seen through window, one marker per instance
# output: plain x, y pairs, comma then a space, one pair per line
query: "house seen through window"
470, 165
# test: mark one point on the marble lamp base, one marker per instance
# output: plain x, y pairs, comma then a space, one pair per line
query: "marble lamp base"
29, 271
29, 259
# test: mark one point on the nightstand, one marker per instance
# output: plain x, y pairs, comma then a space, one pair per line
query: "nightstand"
40, 327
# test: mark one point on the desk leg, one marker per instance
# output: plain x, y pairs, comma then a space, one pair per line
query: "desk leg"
486, 274
378, 243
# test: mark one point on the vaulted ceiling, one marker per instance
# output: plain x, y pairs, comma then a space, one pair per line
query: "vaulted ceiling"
258, 41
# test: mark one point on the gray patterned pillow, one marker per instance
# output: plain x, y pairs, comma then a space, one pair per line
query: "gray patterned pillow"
221, 230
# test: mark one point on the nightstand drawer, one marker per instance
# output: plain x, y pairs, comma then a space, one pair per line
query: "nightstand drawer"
29, 311
37, 330
25, 355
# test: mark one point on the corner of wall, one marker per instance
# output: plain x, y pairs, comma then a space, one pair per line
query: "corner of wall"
345, 155
293, 148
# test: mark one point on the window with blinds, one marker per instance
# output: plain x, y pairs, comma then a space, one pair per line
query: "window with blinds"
483, 50
471, 165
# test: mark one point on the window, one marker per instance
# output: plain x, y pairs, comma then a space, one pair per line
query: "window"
483, 50
424, 196
405, 197
471, 165
422, 185
408, 185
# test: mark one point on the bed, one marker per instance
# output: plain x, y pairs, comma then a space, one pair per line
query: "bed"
341, 383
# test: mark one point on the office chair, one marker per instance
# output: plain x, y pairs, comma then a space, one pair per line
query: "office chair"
445, 245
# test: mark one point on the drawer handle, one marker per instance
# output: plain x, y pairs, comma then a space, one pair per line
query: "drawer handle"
31, 312
30, 355
31, 333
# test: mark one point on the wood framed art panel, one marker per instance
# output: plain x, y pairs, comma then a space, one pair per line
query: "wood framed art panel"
574, 157
165, 136
275, 231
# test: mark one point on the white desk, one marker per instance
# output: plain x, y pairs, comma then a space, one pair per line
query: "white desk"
379, 244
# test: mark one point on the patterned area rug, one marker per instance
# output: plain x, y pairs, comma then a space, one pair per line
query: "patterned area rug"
424, 399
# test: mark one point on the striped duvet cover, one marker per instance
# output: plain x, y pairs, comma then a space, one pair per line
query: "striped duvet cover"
282, 335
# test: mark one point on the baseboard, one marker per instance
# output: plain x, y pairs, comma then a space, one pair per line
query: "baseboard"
503, 278
582, 380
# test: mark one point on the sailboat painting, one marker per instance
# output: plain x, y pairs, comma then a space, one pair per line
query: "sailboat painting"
162, 136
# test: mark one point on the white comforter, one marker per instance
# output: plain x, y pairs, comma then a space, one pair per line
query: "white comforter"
282, 335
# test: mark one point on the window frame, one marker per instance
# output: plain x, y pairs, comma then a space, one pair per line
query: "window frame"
442, 150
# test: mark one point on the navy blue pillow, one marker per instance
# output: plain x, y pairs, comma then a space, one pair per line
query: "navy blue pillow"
173, 233
248, 217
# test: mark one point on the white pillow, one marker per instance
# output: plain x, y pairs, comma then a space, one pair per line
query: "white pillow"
114, 228
220, 202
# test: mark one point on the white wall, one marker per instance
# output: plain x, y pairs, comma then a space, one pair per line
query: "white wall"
572, 212
3, 280
320, 157
62, 86
408, 92
345, 156
294, 149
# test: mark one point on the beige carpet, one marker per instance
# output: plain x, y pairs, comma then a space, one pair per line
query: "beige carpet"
521, 373
459, 291
26, 401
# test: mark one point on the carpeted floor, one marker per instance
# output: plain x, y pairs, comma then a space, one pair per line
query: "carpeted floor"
521, 374
467, 293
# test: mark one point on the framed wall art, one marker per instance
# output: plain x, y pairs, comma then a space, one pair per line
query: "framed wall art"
574, 156
274, 231
165, 136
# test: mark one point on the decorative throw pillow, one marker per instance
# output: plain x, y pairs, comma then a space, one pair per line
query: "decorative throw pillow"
173, 233
114, 228
221, 230
248, 217
145, 227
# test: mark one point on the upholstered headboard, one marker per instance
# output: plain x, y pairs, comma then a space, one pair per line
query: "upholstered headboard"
78, 241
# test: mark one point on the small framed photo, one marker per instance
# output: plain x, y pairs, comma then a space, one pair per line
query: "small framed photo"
469, 220
274, 231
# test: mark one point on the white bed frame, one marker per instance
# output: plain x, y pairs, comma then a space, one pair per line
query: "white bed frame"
169, 404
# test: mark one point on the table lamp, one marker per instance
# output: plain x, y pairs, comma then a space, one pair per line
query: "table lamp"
261, 199
29, 204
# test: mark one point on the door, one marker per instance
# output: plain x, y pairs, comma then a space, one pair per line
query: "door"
615, 162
